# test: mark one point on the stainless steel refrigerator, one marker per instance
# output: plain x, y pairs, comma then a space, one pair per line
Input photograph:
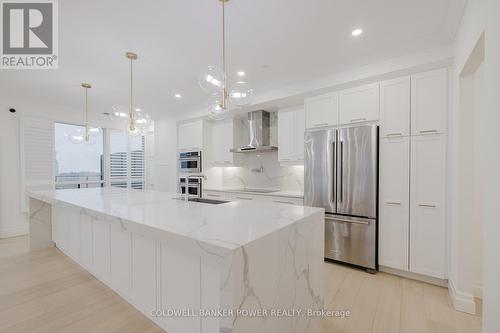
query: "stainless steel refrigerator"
341, 175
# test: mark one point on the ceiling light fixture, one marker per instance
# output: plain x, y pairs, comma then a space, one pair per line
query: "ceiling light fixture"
356, 32
88, 134
214, 82
178, 96
138, 122
241, 73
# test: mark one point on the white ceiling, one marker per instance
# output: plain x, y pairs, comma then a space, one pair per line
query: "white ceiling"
277, 42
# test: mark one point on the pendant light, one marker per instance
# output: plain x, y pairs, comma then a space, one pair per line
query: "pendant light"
214, 82
138, 121
88, 134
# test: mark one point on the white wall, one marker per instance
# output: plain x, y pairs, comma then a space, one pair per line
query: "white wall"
12, 221
461, 215
491, 289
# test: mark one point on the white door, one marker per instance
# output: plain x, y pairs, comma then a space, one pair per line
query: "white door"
322, 111
429, 102
286, 135
395, 108
359, 104
394, 221
427, 198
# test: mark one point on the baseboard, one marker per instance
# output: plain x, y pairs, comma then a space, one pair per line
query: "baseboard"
477, 289
463, 302
13, 232
414, 276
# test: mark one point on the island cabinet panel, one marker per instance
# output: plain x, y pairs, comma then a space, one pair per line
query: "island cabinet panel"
87, 257
120, 258
144, 272
194, 266
101, 249
61, 229
180, 286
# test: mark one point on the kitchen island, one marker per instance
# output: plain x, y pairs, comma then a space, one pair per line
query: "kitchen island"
192, 266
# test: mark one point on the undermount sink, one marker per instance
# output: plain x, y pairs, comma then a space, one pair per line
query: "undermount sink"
203, 200
259, 190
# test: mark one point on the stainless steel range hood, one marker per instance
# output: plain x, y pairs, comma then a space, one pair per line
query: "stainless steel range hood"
259, 133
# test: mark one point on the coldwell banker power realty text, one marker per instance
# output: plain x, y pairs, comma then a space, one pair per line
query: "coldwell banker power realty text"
29, 36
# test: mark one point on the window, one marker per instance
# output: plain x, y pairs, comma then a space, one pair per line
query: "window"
77, 165
126, 160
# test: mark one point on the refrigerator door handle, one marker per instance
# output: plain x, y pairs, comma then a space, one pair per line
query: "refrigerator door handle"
341, 166
334, 158
346, 221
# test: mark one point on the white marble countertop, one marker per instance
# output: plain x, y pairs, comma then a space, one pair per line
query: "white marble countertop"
277, 193
227, 226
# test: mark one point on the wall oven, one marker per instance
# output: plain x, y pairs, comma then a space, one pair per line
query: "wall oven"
193, 187
190, 162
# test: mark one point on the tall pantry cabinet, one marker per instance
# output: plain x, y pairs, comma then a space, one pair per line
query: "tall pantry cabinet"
412, 228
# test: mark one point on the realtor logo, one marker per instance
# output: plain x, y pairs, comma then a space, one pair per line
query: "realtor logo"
29, 38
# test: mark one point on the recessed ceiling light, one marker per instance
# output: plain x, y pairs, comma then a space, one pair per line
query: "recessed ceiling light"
178, 96
241, 73
138, 110
356, 32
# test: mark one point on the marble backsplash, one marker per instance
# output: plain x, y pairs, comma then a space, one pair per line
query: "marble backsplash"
264, 171
258, 170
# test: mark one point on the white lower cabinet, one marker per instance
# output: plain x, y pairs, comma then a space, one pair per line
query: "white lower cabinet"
394, 202
427, 210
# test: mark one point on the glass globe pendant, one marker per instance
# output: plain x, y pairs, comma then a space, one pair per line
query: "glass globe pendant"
216, 111
142, 120
240, 94
132, 127
214, 82
77, 136
88, 134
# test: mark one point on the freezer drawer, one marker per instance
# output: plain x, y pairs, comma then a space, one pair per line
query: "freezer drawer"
351, 240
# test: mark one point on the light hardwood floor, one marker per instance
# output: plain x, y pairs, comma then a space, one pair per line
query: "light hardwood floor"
45, 291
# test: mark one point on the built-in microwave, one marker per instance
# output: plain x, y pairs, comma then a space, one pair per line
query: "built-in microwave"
190, 162
193, 187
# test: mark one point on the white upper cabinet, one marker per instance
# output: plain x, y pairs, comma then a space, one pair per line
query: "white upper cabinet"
428, 218
359, 104
429, 102
190, 136
222, 141
395, 107
291, 127
394, 222
322, 111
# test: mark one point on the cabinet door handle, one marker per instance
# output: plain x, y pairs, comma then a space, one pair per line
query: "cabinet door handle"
395, 134
396, 203
284, 202
213, 195
242, 198
427, 206
227, 161
321, 125
428, 131
357, 120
